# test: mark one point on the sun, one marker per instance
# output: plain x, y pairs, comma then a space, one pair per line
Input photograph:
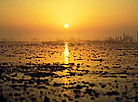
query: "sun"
66, 25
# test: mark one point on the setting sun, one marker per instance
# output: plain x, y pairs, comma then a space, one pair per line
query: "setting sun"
66, 25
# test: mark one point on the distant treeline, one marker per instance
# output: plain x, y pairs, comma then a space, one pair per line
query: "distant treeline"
118, 39
73, 41
121, 39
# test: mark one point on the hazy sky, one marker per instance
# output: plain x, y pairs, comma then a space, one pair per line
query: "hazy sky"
88, 19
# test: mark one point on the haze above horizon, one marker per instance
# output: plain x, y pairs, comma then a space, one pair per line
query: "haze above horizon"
87, 19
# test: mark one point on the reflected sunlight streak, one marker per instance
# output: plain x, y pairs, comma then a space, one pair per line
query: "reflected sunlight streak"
66, 53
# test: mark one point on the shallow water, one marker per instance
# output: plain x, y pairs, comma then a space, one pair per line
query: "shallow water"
69, 72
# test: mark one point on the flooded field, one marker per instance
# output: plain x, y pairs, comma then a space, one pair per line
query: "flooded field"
43, 72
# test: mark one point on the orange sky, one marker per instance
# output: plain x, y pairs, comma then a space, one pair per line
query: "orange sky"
45, 19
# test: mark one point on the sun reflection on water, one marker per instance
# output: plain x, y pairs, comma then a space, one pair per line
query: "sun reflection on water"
66, 53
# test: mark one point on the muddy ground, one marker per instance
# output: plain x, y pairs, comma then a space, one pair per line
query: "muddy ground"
99, 72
